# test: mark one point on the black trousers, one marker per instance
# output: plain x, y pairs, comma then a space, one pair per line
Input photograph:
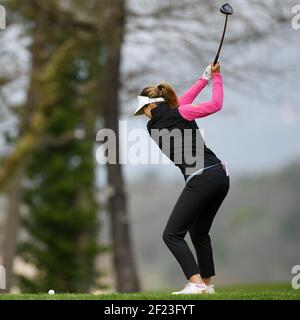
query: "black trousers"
194, 212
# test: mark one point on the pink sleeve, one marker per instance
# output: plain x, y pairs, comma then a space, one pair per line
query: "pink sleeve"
191, 112
190, 95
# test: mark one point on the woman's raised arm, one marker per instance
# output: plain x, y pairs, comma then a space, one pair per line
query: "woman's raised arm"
190, 95
191, 112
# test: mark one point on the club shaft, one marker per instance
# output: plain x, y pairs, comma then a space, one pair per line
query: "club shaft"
221, 43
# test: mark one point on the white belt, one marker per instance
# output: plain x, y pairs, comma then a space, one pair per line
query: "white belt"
223, 163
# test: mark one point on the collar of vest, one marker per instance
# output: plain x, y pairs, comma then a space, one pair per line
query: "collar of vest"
160, 106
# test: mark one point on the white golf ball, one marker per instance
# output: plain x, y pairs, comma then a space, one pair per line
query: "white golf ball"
51, 292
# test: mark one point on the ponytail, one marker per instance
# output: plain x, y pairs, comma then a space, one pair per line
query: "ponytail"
162, 90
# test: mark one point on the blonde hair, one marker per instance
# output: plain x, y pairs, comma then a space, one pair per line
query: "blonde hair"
162, 90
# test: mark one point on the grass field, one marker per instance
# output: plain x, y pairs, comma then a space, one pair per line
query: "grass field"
243, 292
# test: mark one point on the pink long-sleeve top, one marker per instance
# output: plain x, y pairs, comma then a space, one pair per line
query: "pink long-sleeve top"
190, 111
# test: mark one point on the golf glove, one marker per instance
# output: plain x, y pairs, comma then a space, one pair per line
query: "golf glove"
207, 73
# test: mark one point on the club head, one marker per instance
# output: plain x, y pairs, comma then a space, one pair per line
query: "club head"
226, 9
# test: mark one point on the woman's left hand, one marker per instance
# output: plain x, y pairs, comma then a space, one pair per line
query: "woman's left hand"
216, 68
207, 73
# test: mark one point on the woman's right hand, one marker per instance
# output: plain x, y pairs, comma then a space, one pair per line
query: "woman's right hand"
216, 67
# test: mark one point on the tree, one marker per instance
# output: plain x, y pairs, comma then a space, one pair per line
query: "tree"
59, 186
29, 141
123, 256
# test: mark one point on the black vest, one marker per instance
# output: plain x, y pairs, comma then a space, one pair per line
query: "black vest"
185, 139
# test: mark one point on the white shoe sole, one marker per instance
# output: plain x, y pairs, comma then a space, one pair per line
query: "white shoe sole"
202, 292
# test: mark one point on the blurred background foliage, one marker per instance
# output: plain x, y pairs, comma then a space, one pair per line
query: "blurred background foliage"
71, 67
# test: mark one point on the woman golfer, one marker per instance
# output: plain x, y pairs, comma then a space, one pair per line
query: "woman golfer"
206, 185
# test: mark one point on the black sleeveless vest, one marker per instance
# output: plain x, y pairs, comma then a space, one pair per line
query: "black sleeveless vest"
190, 141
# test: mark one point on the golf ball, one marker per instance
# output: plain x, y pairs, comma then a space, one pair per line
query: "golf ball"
51, 292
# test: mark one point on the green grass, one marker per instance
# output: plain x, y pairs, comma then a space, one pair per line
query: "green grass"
242, 292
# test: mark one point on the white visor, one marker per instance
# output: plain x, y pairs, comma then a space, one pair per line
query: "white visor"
144, 101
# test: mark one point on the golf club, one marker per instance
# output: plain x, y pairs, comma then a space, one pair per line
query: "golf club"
227, 10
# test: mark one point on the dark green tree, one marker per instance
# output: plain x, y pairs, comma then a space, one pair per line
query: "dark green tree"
61, 223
